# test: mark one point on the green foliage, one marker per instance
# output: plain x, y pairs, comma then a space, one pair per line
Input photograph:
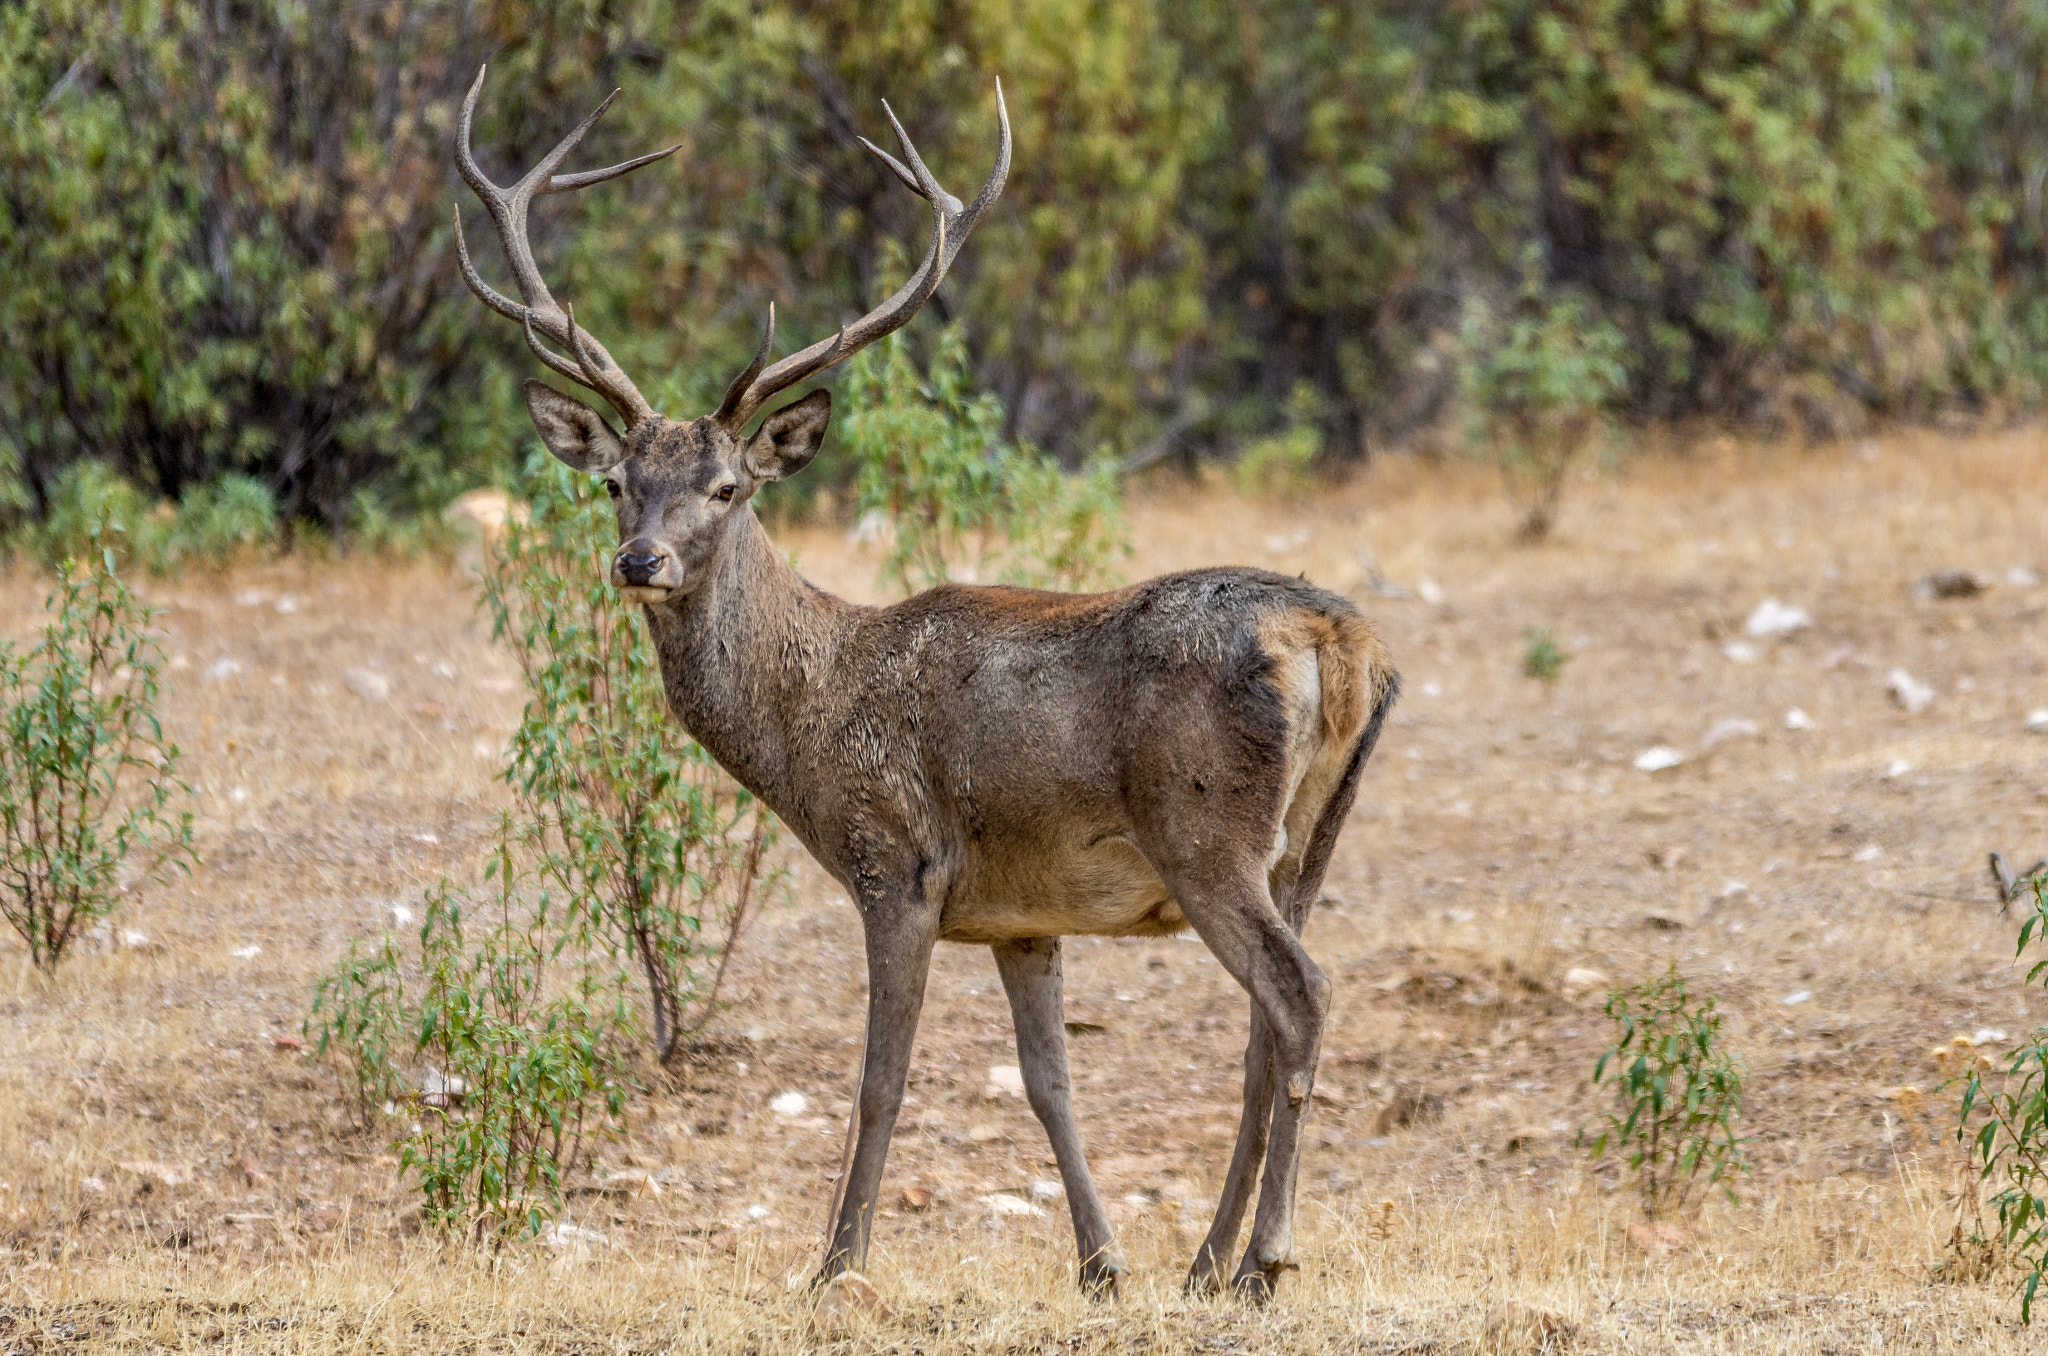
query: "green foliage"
505, 1054
1543, 660
961, 503
87, 781
227, 244
2004, 1124
214, 523
1282, 464
648, 852
1677, 1094
1538, 391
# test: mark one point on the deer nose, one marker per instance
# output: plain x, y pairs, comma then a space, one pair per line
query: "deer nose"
638, 569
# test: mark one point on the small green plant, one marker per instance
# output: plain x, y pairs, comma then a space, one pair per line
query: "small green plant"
649, 851
223, 519
1677, 1094
2003, 1120
499, 1053
1282, 464
93, 507
1543, 660
960, 502
1538, 390
87, 781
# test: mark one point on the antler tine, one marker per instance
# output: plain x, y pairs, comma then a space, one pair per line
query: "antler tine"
950, 226
540, 315
737, 391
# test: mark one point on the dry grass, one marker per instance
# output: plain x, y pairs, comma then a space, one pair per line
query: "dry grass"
1503, 836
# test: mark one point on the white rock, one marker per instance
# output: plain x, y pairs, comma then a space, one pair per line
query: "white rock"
2020, 577
1869, 852
2037, 719
1908, 691
94, 1185
252, 598
1659, 758
1794, 999
221, 669
1429, 592
1579, 980
1773, 618
569, 1236
788, 1104
1004, 1205
287, 604
1047, 1190
757, 1212
1734, 727
401, 915
1987, 1035
438, 1089
1004, 1080
247, 952
368, 684
1796, 719
1733, 889
1741, 651
131, 937
1896, 768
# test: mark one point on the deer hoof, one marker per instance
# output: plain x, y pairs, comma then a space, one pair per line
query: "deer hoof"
1100, 1279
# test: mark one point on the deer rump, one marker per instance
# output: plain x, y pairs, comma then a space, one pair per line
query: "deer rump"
1044, 752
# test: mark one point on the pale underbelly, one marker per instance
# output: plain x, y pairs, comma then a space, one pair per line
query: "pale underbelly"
1107, 889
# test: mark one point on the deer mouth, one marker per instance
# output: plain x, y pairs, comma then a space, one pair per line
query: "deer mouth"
645, 593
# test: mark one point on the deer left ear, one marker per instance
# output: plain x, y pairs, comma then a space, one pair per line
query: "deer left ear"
789, 438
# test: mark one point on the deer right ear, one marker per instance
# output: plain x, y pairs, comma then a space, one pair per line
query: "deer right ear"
577, 435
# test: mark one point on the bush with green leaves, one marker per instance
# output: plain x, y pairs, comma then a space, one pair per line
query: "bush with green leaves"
649, 851
215, 522
960, 502
1676, 1093
1537, 390
1542, 659
500, 1053
88, 784
2003, 1121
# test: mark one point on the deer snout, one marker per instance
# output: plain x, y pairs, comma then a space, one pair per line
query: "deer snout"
638, 567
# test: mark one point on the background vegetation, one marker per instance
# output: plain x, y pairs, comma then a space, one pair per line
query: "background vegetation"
225, 227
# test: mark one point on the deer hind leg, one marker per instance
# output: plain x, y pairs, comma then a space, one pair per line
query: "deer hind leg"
1031, 977
1206, 1275
1231, 906
899, 946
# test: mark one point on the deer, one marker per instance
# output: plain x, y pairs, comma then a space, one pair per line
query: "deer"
993, 766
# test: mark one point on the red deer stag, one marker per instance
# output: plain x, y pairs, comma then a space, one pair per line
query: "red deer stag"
989, 765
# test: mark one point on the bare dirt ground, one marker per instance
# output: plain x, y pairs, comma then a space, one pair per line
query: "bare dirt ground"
1827, 883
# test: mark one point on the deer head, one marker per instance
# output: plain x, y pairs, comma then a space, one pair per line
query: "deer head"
679, 486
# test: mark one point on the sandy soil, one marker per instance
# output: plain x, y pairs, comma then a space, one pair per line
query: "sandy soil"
1827, 884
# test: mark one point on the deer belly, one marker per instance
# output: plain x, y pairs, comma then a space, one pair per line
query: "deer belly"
1103, 889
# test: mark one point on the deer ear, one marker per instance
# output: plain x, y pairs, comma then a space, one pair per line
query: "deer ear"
789, 438
575, 433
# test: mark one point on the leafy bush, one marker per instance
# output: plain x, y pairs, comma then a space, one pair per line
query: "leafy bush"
1677, 1094
506, 1056
87, 780
2003, 1120
649, 851
962, 503
1538, 392
214, 522
1543, 660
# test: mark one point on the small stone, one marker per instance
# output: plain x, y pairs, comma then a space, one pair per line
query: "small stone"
1734, 727
2037, 719
1004, 1205
250, 952
1047, 1190
1796, 719
1740, 652
1954, 584
1796, 998
368, 684
1004, 1080
1664, 920
221, 669
295, 1044
983, 1134
1910, 693
1987, 1035
1658, 758
561, 1236
845, 1300
1519, 1328
1869, 852
1579, 981
1773, 618
917, 1198
1896, 768
788, 1104
2020, 577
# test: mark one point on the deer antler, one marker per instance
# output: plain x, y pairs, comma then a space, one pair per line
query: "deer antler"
950, 226
540, 316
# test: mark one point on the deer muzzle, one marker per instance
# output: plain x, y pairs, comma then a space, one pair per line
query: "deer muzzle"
638, 575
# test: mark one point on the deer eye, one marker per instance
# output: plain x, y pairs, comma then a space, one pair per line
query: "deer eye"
725, 493
611, 487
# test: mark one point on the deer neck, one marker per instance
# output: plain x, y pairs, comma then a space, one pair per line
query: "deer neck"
746, 657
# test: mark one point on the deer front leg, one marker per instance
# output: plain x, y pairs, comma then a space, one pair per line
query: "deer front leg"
899, 945
1031, 977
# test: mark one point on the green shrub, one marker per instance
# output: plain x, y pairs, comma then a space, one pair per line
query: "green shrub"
500, 1055
960, 502
1538, 392
1543, 660
1677, 1094
222, 519
87, 780
649, 851
2003, 1121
